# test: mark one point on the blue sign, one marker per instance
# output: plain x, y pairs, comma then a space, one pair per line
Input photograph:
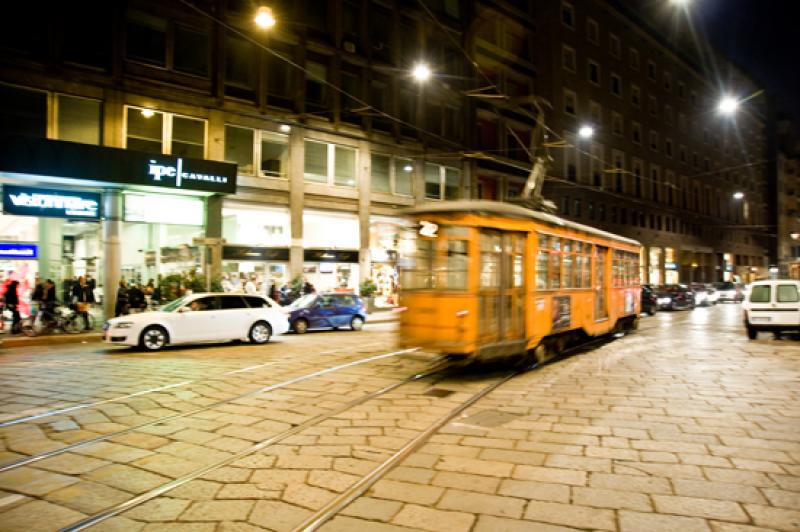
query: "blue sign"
13, 250
29, 201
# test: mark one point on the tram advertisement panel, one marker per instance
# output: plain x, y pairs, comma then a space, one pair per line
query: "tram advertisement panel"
562, 312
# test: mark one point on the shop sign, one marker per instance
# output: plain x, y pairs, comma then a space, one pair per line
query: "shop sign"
670, 266
29, 201
244, 253
58, 158
13, 250
330, 255
178, 174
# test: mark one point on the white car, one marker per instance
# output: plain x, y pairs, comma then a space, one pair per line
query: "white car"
200, 318
772, 305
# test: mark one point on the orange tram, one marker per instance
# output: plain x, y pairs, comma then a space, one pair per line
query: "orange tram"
488, 280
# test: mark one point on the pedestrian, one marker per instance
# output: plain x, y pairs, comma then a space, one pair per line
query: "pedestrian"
308, 288
121, 307
274, 293
48, 302
12, 304
250, 286
136, 299
83, 297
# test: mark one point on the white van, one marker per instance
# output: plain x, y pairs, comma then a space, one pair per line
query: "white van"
772, 305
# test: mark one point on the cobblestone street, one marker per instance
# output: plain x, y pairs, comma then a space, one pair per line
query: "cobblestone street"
684, 425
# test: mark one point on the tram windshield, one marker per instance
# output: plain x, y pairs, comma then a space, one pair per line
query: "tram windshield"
439, 262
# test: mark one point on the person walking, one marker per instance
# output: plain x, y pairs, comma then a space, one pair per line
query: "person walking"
121, 307
12, 304
136, 298
83, 297
48, 302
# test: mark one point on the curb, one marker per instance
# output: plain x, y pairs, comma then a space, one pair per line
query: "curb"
14, 342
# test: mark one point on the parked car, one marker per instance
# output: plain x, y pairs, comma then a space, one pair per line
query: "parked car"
713, 295
675, 297
327, 311
772, 305
649, 300
729, 291
702, 294
200, 318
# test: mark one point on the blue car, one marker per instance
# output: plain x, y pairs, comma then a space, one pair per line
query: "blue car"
327, 311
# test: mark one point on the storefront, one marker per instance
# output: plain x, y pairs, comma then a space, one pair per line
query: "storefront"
256, 249
106, 213
671, 270
654, 276
384, 238
331, 244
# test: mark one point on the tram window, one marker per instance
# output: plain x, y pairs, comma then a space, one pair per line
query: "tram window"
456, 269
490, 261
555, 270
587, 269
542, 259
416, 272
568, 270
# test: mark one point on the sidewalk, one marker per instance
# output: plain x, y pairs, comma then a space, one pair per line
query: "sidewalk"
8, 341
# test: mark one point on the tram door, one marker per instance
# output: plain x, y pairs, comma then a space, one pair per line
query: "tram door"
502, 290
600, 302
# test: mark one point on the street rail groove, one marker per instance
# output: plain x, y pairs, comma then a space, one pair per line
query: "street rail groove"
264, 389
272, 440
82, 406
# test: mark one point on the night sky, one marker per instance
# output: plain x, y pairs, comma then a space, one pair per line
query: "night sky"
762, 37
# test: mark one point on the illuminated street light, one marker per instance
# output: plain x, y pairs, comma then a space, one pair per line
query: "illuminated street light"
264, 18
586, 132
728, 105
738, 195
421, 72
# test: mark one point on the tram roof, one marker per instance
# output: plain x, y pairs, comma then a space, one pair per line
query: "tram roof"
512, 211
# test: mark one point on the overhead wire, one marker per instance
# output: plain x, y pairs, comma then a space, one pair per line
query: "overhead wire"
609, 168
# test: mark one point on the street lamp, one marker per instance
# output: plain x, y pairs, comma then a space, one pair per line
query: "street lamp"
264, 18
680, 3
586, 132
421, 72
728, 105
738, 195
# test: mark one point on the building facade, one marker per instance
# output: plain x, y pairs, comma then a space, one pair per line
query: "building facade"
331, 137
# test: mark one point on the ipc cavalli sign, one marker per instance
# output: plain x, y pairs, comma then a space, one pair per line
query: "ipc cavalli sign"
30, 201
101, 164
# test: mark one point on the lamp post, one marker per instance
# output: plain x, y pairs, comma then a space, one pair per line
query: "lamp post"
264, 18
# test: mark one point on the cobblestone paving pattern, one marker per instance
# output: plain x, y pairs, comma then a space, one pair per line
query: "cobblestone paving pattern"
685, 425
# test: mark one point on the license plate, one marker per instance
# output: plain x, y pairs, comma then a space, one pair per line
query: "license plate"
760, 318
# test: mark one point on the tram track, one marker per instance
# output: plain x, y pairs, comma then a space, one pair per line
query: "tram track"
83, 406
8, 466
138, 500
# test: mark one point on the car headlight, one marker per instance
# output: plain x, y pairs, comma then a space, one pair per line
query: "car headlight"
123, 325
663, 300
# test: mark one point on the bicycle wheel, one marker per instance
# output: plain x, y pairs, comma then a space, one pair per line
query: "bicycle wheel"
27, 328
73, 324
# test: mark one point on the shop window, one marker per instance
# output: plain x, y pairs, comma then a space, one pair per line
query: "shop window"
188, 137
570, 102
23, 112
316, 77
403, 176
78, 119
592, 31
391, 175
316, 162
239, 148
157, 132
331, 164
146, 38
442, 182
381, 175
274, 154
568, 58
345, 166
145, 131
241, 59
192, 51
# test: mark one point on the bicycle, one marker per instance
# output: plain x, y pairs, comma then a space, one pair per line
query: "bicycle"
59, 318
